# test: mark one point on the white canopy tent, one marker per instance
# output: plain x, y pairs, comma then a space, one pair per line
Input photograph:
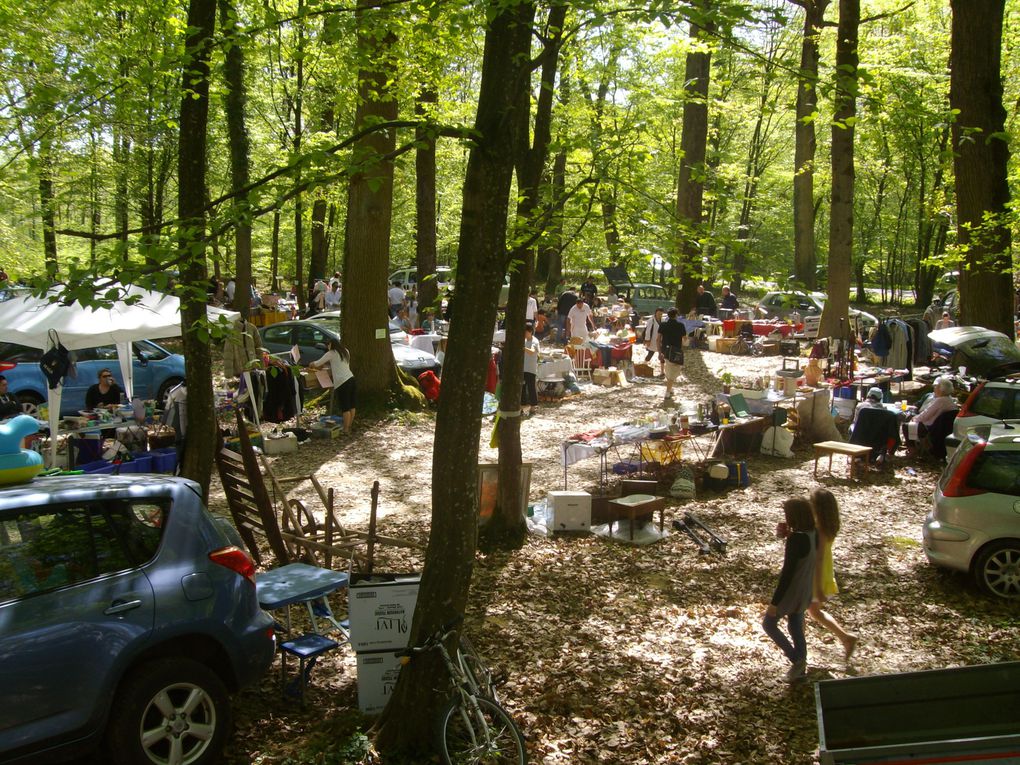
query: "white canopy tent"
155, 316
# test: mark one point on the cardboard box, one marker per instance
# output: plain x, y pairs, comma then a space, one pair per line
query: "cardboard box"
602, 377
643, 370
380, 610
771, 348
285, 443
327, 431
377, 677
571, 510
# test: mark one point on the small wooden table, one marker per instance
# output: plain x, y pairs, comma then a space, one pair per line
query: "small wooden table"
634, 506
852, 451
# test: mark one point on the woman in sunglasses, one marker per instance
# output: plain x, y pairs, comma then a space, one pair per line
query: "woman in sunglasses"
105, 393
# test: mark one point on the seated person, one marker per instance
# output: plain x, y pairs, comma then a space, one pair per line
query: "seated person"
106, 393
875, 426
429, 324
941, 402
541, 324
9, 405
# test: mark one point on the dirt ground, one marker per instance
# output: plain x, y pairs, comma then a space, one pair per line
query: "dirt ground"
623, 654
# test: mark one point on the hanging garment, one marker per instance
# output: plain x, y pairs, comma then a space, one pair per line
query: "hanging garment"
280, 403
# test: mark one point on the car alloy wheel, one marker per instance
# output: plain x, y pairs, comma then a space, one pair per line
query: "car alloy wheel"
998, 569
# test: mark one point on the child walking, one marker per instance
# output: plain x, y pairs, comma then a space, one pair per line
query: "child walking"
826, 511
796, 585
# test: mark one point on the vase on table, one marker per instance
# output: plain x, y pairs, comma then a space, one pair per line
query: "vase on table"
812, 373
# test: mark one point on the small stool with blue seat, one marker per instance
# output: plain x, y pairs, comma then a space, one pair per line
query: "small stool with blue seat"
307, 648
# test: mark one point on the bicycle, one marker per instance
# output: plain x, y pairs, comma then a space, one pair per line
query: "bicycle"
471, 727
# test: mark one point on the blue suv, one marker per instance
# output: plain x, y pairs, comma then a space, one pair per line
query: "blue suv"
126, 618
156, 372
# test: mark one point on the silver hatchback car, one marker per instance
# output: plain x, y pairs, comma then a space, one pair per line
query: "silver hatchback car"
974, 525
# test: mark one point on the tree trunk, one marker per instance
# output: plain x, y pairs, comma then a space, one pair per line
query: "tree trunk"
406, 723
46, 207
691, 180
550, 256
841, 215
804, 255
237, 132
507, 528
201, 437
425, 204
370, 212
981, 159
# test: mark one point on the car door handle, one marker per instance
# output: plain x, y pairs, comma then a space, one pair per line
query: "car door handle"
122, 606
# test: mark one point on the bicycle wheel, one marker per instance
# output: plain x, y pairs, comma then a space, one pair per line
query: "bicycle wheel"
474, 667
488, 736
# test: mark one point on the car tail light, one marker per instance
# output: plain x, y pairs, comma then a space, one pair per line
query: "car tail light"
957, 484
7, 366
236, 560
971, 399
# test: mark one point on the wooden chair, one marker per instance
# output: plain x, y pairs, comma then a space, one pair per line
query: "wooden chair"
580, 358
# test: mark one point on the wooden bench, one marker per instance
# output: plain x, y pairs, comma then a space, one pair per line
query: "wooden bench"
854, 453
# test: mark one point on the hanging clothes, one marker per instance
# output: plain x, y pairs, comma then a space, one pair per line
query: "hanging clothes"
281, 402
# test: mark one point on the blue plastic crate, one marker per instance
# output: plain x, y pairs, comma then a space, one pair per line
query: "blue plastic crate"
96, 466
164, 460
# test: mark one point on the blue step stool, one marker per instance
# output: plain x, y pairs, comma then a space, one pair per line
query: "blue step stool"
308, 648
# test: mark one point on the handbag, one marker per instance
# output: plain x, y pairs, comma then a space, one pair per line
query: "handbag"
56, 362
675, 355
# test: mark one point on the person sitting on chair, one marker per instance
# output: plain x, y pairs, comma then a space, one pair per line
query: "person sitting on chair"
875, 426
941, 402
9, 405
105, 393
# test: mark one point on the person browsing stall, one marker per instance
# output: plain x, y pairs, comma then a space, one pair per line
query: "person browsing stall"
580, 320
9, 405
529, 395
872, 401
344, 399
671, 347
652, 339
729, 300
704, 304
945, 322
105, 393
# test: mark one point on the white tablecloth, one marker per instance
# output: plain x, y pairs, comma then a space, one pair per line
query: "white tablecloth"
426, 342
553, 368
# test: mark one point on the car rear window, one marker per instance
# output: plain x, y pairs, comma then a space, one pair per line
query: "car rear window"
48, 547
996, 471
19, 353
965, 446
993, 402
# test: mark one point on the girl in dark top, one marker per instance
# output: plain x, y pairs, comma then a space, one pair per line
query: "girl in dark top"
796, 584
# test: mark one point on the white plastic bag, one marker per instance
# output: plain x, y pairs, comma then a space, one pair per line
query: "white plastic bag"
776, 442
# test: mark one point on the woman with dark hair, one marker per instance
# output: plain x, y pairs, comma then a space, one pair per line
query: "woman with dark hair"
344, 398
796, 585
106, 392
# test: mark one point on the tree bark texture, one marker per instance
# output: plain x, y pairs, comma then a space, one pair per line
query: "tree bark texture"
841, 216
507, 529
370, 212
406, 723
201, 436
425, 205
691, 179
236, 101
980, 164
805, 257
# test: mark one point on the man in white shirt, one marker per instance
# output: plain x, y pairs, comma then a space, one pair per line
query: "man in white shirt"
580, 320
333, 297
395, 295
532, 307
942, 401
229, 290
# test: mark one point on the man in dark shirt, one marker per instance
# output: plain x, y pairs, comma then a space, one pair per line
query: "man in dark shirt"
705, 303
729, 300
671, 339
589, 291
9, 405
567, 301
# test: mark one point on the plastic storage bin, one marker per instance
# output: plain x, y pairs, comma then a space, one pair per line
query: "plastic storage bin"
96, 466
164, 460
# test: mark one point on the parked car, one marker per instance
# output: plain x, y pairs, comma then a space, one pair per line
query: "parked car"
156, 372
643, 298
974, 524
408, 277
782, 304
311, 336
951, 303
985, 352
128, 617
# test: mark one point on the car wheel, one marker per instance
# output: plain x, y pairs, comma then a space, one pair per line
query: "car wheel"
164, 390
169, 711
30, 403
997, 569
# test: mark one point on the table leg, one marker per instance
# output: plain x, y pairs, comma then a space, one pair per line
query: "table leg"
830, 463
817, 455
632, 521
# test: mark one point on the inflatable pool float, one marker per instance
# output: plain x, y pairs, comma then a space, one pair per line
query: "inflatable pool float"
18, 465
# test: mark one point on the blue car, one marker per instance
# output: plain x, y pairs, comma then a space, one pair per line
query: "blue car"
127, 616
156, 372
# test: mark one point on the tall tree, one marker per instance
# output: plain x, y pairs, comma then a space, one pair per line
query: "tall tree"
370, 207
237, 131
425, 201
805, 257
981, 160
201, 437
693, 145
841, 216
406, 723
